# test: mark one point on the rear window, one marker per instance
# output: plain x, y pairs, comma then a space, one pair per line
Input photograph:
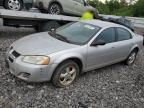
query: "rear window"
108, 35
123, 34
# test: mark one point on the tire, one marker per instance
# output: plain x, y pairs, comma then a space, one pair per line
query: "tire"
55, 8
60, 79
131, 58
47, 26
13, 5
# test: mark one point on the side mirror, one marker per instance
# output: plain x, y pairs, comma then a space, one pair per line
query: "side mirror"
98, 42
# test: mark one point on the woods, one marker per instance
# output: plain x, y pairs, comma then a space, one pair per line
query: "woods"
133, 8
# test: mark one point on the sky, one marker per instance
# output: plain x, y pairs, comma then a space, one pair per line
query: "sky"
102, 1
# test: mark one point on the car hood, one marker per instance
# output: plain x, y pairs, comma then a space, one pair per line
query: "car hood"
40, 44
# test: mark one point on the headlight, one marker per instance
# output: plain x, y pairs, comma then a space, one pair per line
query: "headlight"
39, 60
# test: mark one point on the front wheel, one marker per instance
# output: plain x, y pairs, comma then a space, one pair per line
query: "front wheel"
65, 74
13, 4
54, 8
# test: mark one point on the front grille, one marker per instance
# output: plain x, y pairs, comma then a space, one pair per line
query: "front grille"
15, 54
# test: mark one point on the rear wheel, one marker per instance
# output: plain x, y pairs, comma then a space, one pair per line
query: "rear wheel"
55, 8
131, 58
13, 4
65, 74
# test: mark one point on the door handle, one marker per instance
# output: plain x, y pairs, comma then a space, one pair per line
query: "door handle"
112, 47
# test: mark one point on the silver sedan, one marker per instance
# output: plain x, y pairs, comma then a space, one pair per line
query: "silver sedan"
70, 7
63, 54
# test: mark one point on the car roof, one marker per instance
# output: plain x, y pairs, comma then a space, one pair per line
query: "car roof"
102, 24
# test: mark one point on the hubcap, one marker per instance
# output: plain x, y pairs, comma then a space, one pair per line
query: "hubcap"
14, 4
68, 75
132, 58
54, 9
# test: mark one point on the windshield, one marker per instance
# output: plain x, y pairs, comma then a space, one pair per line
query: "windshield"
78, 33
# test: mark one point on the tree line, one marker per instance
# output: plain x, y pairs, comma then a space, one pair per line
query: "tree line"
133, 8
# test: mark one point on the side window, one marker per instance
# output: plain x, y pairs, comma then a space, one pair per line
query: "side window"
107, 35
123, 34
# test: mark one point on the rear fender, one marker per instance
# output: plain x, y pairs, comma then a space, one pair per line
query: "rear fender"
135, 46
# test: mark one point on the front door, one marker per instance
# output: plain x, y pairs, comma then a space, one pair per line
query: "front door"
102, 55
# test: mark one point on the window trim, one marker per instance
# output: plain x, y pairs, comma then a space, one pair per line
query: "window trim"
116, 29
104, 30
80, 2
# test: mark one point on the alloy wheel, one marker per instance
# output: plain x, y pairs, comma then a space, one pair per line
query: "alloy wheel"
55, 9
132, 57
14, 4
68, 75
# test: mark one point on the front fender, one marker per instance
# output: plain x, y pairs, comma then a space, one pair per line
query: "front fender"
63, 57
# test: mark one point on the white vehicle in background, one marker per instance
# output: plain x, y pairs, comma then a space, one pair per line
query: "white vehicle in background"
70, 7
15, 4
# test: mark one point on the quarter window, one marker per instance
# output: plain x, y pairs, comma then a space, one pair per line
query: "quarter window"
123, 34
107, 35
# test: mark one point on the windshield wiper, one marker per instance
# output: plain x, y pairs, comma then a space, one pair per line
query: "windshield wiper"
62, 38
58, 36
51, 33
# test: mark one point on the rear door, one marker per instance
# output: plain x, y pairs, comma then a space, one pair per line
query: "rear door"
125, 42
102, 55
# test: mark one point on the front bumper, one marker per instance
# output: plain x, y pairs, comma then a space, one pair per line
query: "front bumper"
29, 72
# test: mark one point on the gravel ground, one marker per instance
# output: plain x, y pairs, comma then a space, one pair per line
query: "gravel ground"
116, 86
